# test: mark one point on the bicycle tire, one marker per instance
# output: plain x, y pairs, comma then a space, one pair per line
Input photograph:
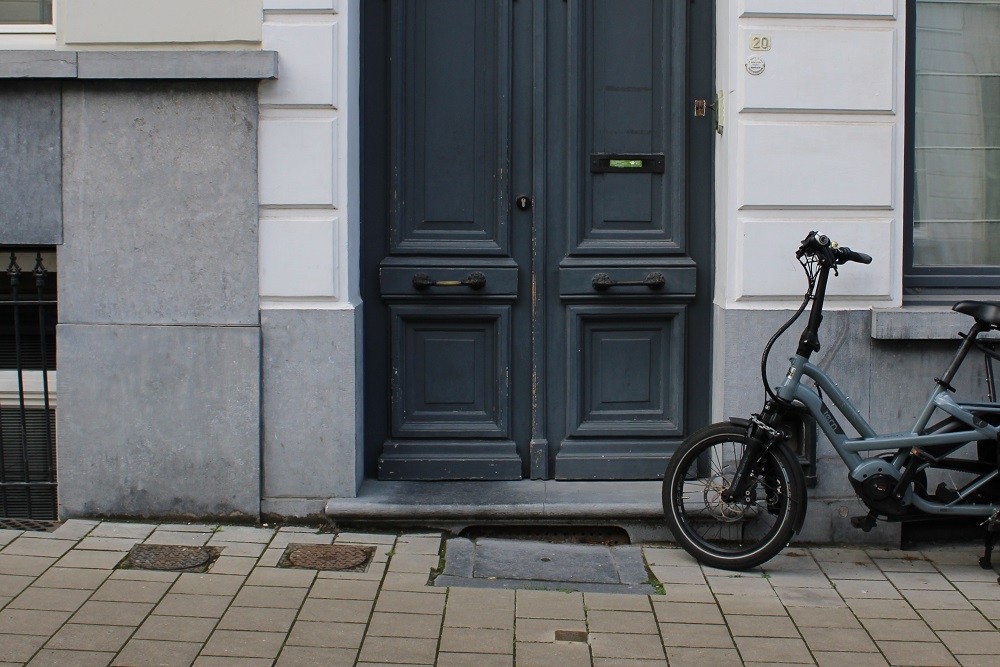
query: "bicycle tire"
748, 533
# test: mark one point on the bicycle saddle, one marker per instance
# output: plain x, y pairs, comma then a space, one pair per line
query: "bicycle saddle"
983, 311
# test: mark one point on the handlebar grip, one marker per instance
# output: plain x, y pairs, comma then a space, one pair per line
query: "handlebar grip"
849, 255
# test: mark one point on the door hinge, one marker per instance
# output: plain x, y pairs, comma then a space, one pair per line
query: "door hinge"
701, 108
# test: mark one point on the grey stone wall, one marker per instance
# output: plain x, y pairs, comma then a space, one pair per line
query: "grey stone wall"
159, 339
887, 380
310, 410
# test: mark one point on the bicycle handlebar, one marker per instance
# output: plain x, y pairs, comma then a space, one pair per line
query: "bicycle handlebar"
820, 246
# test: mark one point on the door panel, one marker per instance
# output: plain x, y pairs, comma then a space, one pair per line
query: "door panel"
551, 338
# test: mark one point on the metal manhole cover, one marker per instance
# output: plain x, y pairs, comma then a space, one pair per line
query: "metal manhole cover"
32, 525
170, 557
343, 557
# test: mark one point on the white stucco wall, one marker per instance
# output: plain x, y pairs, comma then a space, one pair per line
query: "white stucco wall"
814, 141
309, 165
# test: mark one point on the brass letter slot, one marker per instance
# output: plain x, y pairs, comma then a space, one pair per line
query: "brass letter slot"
475, 280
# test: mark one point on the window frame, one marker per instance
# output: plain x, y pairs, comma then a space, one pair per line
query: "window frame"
929, 283
32, 28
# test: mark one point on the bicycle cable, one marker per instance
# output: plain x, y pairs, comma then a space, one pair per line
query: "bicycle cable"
808, 265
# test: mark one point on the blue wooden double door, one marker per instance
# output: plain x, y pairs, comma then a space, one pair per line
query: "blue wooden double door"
537, 236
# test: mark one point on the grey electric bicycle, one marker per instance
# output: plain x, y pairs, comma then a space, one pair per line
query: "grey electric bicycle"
735, 492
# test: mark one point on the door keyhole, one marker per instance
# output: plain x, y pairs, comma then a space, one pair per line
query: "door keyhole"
524, 202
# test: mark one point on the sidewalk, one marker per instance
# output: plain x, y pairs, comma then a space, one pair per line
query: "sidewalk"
63, 602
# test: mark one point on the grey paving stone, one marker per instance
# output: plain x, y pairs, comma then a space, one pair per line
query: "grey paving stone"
50, 599
852, 640
113, 613
956, 619
477, 659
31, 622
257, 618
864, 570
60, 658
30, 566
244, 549
331, 635
910, 630
621, 621
841, 658
114, 529
476, 640
233, 565
544, 629
4, 601
108, 543
244, 534
702, 636
176, 628
154, 653
117, 590
810, 597
366, 538
222, 661
267, 596
388, 624
131, 574
244, 644
936, 599
310, 656
978, 590
700, 657
549, 604
187, 528
7, 536
72, 529
672, 574
290, 578
773, 650
904, 564
862, 588
205, 606
740, 585
12, 584
611, 602
413, 563
411, 603
418, 544
406, 581
344, 589
761, 626
341, 611
64, 577
547, 655
99, 560
916, 654
688, 593
746, 604
26, 545
927, 581
208, 584
971, 642
686, 612
20, 648
78, 637
398, 650
821, 617
191, 539
616, 645
282, 540
881, 608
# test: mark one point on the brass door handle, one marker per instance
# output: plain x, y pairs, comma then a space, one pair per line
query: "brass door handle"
654, 280
475, 280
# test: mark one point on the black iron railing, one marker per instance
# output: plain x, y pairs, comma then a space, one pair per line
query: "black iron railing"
28, 316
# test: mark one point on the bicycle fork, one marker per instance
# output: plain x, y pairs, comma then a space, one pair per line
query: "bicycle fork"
761, 436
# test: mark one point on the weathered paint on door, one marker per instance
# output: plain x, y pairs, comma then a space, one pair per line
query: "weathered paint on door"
540, 256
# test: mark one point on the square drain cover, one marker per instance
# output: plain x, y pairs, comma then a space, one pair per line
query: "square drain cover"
32, 525
340, 557
170, 557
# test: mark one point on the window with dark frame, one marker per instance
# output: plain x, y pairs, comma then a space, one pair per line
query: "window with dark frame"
25, 12
952, 243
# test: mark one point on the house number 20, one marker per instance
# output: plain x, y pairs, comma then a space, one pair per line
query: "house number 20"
760, 43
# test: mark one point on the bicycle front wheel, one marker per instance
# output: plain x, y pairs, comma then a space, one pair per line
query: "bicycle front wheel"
731, 535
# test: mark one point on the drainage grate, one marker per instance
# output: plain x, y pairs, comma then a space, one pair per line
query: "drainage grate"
32, 525
172, 557
340, 557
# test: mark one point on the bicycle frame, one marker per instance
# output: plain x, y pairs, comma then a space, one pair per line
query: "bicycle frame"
905, 444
